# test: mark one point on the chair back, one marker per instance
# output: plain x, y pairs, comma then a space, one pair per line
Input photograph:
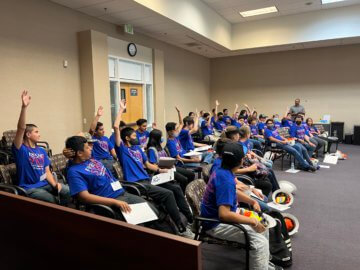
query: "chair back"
194, 193
8, 174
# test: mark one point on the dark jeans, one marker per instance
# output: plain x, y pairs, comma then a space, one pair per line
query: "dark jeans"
184, 177
318, 142
46, 194
264, 185
296, 152
256, 144
180, 199
273, 180
165, 197
305, 151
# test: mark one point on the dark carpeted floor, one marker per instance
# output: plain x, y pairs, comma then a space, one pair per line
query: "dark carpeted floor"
326, 206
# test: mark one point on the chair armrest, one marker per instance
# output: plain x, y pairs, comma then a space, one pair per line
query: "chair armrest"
139, 186
62, 177
6, 187
102, 210
258, 152
131, 189
245, 178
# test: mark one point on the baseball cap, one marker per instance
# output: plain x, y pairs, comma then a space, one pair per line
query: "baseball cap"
232, 155
88, 137
262, 116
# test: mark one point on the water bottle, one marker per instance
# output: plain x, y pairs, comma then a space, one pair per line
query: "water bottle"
292, 166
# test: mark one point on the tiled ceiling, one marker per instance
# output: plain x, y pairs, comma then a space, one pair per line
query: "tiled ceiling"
229, 9
152, 24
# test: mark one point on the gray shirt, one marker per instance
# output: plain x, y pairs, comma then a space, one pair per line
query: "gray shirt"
297, 109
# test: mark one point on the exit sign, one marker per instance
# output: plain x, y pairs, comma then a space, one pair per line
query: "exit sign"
128, 28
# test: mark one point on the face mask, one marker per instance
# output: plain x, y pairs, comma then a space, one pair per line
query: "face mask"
161, 140
134, 141
298, 122
221, 118
276, 120
270, 126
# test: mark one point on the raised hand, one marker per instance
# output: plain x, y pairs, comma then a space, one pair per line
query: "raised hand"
236, 106
217, 103
122, 104
177, 109
100, 111
25, 98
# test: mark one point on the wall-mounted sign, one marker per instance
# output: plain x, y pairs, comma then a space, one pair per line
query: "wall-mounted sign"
133, 92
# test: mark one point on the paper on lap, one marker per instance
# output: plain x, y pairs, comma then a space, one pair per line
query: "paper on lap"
140, 213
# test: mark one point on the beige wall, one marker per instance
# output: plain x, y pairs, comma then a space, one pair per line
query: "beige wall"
37, 35
326, 79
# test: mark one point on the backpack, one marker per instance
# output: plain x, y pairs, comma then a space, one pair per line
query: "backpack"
280, 242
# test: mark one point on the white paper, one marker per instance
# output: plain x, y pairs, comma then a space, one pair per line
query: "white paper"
162, 178
255, 196
278, 206
140, 213
292, 171
331, 159
202, 148
324, 166
192, 154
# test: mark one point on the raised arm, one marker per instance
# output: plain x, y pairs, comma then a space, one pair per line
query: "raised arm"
286, 112
236, 108
247, 108
99, 113
196, 123
117, 123
25, 98
216, 110
181, 124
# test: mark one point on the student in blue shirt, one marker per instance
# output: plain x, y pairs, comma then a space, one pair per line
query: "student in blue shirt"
220, 202
226, 117
314, 134
261, 125
92, 183
155, 151
141, 133
134, 161
220, 125
207, 129
190, 127
273, 137
112, 137
287, 121
301, 136
255, 130
103, 149
32, 162
277, 121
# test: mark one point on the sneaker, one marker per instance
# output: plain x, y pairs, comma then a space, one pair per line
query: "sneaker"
274, 267
187, 233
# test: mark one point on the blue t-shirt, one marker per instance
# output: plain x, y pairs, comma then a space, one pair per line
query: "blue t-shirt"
142, 137
112, 139
220, 190
186, 140
101, 148
227, 119
175, 148
212, 120
220, 125
91, 175
254, 130
207, 130
236, 124
132, 160
272, 133
216, 165
261, 126
30, 166
154, 157
311, 129
247, 146
298, 132
277, 125
287, 123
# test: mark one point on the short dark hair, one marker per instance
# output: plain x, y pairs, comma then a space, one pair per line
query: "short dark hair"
76, 143
122, 124
225, 110
28, 128
269, 120
98, 125
251, 118
126, 132
219, 113
141, 121
190, 113
188, 121
170, 126
206, 115
241, 117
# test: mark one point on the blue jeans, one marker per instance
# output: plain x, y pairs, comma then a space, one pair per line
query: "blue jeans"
304, 151
296, 152
46, 194
207, 157
256, 144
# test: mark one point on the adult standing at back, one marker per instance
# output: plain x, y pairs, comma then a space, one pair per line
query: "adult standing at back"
297, 109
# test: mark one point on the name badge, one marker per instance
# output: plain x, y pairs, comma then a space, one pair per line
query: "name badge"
116, 185
43, 177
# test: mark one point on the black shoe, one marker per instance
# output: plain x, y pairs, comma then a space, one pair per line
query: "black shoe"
312, 168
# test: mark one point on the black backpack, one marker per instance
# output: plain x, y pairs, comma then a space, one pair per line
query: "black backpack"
280, 242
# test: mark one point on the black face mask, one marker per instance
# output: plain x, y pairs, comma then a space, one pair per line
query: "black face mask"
134, 141
270, 126
298, 123
221, 118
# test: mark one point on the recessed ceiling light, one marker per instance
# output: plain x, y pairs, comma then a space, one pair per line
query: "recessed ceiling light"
259, 11
330, 1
